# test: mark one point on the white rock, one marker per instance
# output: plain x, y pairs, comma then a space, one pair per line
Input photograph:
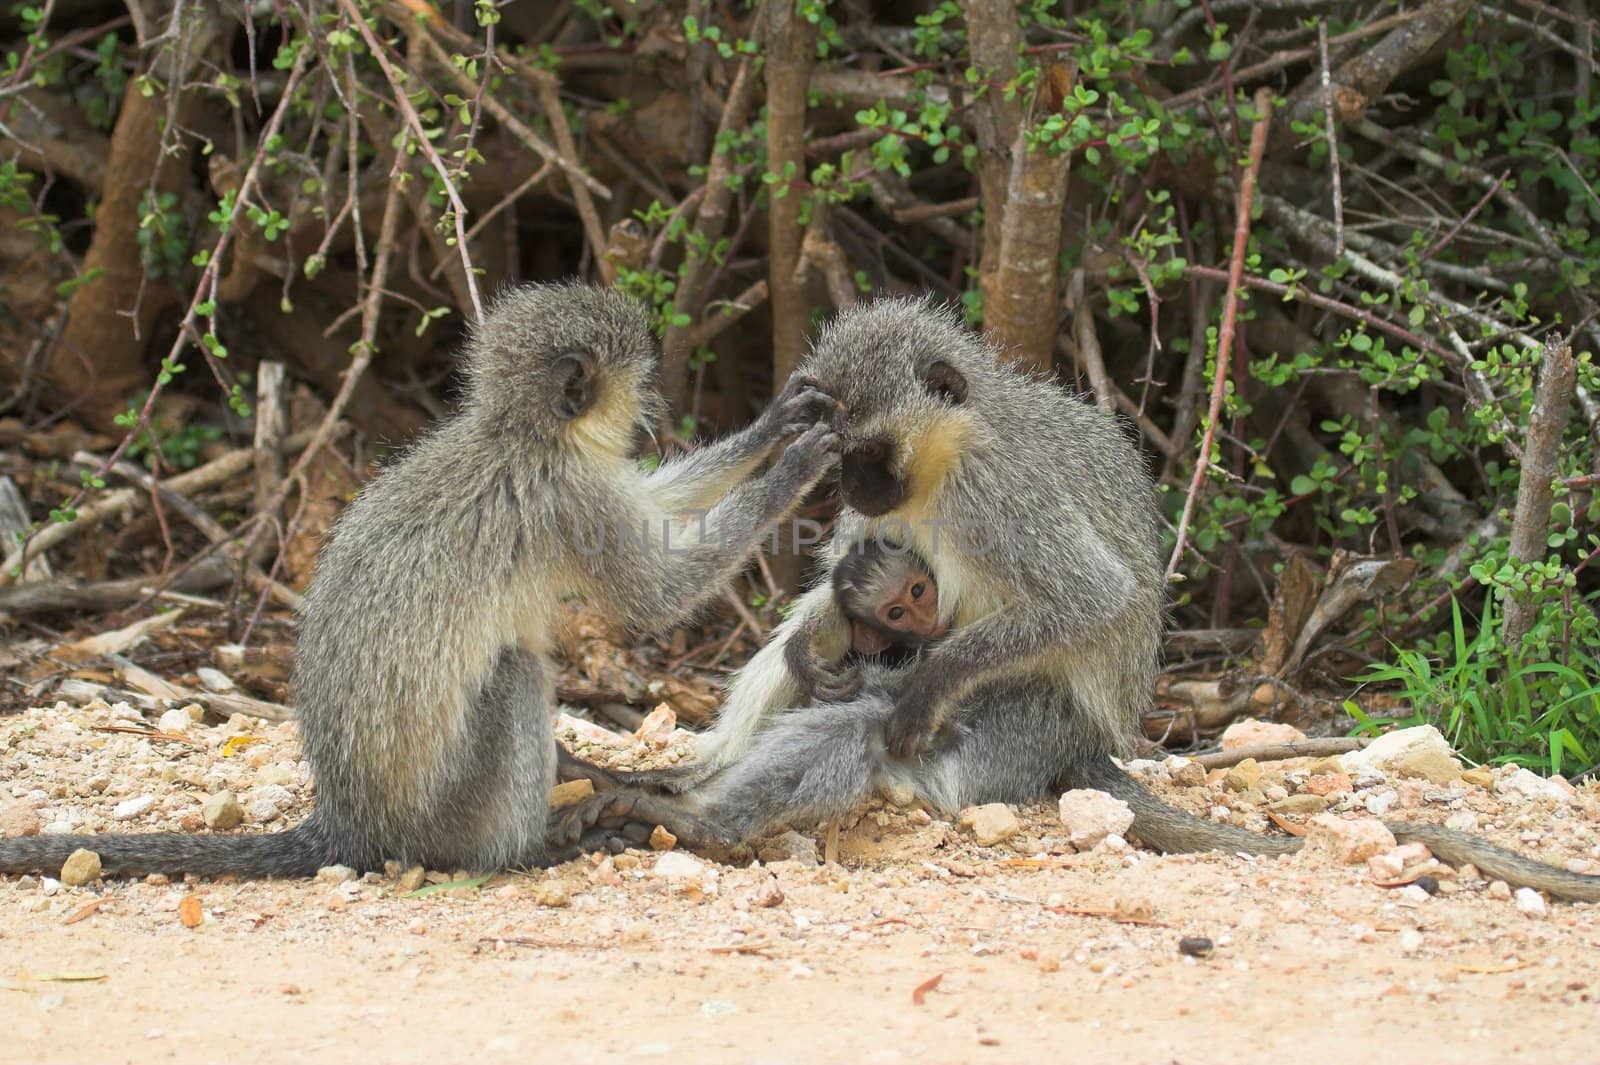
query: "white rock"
1411, 940
1462, 821
128, 809
1090, 816
1380, 803
676, 865
1347, 841
1414, 894
177, 721
18, 819
222, 811
656, 728
1530, 903
214, 679
1148, 768
1185, 772
1391, 748
1531, 785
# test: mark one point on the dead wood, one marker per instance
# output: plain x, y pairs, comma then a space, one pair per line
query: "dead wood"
1279, 752
1530, 523
49, 596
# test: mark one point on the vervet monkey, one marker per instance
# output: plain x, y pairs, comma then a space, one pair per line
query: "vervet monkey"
423, 676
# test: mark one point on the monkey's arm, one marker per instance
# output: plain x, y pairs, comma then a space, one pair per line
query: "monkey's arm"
1086, 591
655, 585
818, 666
697, 479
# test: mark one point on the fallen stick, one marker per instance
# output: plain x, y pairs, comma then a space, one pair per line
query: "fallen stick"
1277, 752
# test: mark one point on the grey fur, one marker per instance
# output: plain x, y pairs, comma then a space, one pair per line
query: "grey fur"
1056, 640
422, 676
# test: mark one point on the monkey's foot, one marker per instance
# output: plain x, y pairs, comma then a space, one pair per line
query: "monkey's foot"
612, 809
670, 780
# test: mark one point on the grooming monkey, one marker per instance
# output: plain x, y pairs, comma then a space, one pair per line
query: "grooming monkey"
423, 677
1039, 523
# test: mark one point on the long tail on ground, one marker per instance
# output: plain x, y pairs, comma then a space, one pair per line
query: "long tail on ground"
299, 851
1497, 863
1166, 828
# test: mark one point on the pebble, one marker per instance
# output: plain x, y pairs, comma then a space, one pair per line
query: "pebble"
767, 894
661, 839
552, 894
1244, 776
18, 819
1385, 752
1499, 889
1326, 784
1415, 894
335, 874
676, 865
1303, 805
1434, 766
1092, 816
1185, 772
410, 880
214, 680
274, 774
1531, 785
1380, 803
1276, 793
1410, 941
991, 823
1251, 732
656, 728
269, 802
222, 811
1481, 775
177, 721
789, 846
1348, 841
128, 809
1530, 903
1195, 946
1462, 821
81, 867
569, 792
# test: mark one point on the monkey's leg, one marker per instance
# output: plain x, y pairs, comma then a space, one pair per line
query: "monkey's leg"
570, 767
612, 809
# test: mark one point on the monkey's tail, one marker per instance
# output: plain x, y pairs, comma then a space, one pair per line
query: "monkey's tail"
1497, 863
299, 851
1167, 828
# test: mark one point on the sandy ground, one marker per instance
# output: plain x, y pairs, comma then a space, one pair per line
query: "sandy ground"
1039, 953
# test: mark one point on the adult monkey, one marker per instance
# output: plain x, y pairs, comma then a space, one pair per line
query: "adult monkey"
422, 677
1039, 522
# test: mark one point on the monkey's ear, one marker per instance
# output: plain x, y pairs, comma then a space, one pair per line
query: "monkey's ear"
945, 382
572, 385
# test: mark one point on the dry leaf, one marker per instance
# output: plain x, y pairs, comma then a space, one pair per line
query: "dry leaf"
236, 744
189, 912
85, 910
921, 990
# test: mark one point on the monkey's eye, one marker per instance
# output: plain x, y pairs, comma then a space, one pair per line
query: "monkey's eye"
896, 613
917, 590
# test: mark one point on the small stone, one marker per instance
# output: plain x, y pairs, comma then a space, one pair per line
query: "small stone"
1251, 732
1436, 767
570, 792
274, 774
1462, 821
1531, 785
676, 865
175, 721
550, 893
1244, 776
222, 811
1301, 805
1530, 903
1326, 784
790, 846
1388, 750
81, 867
656, 728
1276, 793
335, 874
1426, 884
661, 839
269, 802
1481, 775
1499, 889
990, 824
411, 879
767, 894
1196, 946
1410, 941
1381, 802
1091, 816
626, 862
18, 819
1414, 894
214, 680
1348, 841
128, 809
1185, 772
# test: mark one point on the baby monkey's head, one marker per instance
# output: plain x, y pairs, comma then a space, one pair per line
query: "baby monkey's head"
888, 593
569, 361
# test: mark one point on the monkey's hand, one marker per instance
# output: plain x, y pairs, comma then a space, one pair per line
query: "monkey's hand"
802, 404
819, 680
810, 455
915, 719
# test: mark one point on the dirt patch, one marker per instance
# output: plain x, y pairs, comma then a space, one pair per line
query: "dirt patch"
1038, 950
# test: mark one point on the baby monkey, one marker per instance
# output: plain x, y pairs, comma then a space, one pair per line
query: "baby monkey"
889, 596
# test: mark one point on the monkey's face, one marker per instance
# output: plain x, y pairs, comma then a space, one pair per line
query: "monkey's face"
903, 372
